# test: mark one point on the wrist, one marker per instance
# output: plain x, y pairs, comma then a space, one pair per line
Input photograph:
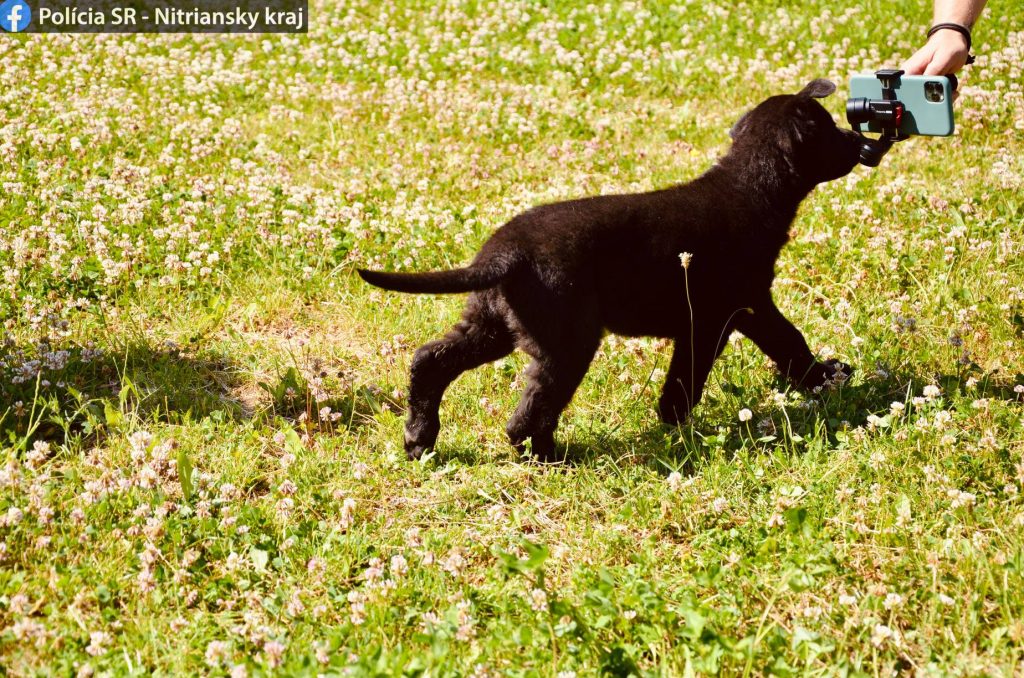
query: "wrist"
949, 28
950, 38
954, 37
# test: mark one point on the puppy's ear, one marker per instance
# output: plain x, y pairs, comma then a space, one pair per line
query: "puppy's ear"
819, 89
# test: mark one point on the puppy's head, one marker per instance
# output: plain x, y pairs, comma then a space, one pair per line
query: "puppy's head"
794, 134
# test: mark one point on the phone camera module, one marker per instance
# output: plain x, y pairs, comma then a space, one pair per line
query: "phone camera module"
933, 92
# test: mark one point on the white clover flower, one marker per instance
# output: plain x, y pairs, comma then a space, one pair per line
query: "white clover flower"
454, 563
413, 537
98, 640
295, 606
876, 460
13, 516
374, 570
399, 565
496, 513
430, 620
882, 634
903, 515
284, 508
273, 651
675, 481
139, 442
357, 607
538, 600
233, 562
931, 391
960, 498
37, 455
19, 603
466, 631
746, 415
348, 512
27, 629
216, 652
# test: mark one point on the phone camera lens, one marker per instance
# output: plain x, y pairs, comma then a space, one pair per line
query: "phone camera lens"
933, 92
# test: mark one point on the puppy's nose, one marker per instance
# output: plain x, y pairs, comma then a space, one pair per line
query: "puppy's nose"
872, 150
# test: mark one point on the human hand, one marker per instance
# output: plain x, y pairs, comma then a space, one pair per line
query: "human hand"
945, 53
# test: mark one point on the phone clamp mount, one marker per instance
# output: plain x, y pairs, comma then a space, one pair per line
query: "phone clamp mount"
887, 112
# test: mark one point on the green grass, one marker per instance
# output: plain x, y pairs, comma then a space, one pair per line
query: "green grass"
180, 217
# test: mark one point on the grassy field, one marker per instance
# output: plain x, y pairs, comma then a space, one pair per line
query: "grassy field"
201, 405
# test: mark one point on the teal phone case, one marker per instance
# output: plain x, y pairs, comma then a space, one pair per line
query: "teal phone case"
920, 116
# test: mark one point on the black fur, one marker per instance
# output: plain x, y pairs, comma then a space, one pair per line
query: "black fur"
553, 279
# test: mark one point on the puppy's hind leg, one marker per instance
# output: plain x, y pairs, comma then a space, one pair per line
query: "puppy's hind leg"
687, 373
552, 381
481, 337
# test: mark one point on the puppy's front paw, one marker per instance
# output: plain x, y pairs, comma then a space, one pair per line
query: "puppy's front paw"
543, 448
828, 373
413, 452
419, 439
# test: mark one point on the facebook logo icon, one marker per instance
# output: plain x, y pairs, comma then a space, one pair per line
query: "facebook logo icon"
15, 15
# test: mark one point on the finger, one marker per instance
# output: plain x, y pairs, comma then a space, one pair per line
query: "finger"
913, 66
916, 64
943, 63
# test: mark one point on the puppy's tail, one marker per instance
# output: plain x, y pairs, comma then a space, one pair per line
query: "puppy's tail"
480, 275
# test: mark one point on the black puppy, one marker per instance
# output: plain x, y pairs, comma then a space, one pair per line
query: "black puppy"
691, 262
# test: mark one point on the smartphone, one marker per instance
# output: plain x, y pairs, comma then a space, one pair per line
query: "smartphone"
927, 102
